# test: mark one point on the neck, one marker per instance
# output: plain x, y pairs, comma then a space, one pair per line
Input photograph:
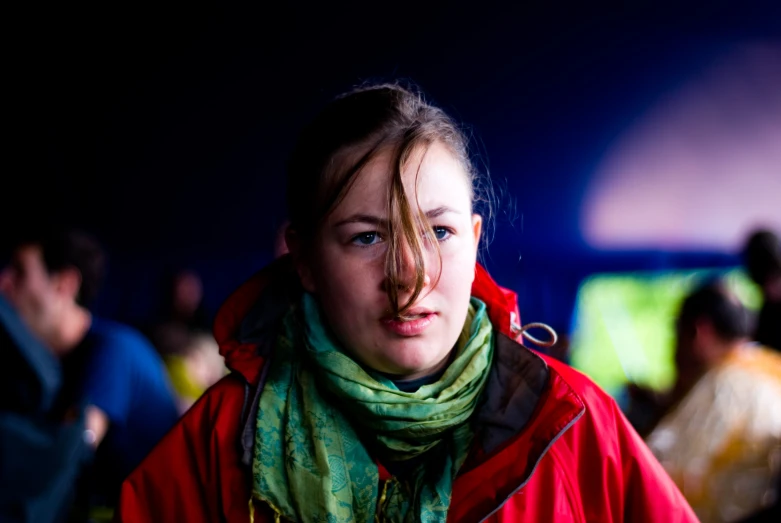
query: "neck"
724, 351
434, 372
709, 358
74, 324
412, 385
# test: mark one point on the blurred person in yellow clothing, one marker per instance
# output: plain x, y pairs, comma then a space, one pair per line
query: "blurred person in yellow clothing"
194, 368
721, 439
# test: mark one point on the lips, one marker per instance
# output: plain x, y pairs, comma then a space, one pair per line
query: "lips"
421, 320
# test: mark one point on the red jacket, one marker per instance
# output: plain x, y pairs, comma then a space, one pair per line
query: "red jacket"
556, 448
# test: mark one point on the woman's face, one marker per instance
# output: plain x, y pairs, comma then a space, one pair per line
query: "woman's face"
346, 269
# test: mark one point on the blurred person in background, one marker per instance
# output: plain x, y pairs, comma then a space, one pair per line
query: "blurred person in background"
194, 367
182, 335
51, 279
644, 407
42, 448
378, 373
181, 312
721, 437
762, 258
184, 301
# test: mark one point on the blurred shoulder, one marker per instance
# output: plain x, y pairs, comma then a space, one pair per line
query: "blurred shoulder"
756, 360
118, 336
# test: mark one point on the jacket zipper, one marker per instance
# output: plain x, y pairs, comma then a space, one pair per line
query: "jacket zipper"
544, 452
379, 517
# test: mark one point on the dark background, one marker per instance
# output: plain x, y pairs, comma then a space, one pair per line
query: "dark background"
165, 130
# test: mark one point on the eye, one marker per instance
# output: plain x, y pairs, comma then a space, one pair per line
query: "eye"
366, 239
441, 233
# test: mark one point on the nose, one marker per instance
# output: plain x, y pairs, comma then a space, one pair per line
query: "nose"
407, 271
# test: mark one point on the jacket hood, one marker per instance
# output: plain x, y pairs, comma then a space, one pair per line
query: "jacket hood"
247, 319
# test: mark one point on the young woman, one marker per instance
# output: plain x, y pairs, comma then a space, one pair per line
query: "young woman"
378, 373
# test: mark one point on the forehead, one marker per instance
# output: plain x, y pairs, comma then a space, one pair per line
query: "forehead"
432, 177
29, 254
28, 259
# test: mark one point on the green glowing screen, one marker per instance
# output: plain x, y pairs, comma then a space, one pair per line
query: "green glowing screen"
623, 325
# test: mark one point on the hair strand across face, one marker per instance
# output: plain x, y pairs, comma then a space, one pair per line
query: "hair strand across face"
341, 141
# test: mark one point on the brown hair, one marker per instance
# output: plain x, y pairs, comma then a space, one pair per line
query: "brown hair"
64, 247
762, 256
342, 139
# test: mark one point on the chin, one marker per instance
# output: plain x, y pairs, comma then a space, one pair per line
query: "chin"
415, 360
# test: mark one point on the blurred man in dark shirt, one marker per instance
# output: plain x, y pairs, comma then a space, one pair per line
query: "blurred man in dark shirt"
41, 428
50, 281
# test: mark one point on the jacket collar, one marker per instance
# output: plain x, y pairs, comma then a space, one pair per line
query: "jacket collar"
249, 316
523, 433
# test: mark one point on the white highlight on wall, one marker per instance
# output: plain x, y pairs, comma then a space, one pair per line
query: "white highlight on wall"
701, 168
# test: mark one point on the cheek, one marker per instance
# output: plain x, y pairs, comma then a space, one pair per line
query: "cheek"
458, 269
346, 284
32, 306
29, 297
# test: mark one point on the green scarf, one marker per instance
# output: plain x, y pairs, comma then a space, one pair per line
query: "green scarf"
310, 465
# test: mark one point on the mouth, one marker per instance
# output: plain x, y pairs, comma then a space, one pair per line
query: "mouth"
418, 321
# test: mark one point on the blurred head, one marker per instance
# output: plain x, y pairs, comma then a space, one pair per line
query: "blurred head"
49, 274
711, 323
280, 244
186, 293
762, 257
382, 228
204, 362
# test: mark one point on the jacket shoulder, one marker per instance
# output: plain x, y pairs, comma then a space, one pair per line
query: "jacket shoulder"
200, 455
599, 404
606, 466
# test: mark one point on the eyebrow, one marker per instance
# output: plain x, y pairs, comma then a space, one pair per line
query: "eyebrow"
376, 220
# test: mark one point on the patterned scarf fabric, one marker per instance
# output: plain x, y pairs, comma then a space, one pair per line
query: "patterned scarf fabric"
320, 411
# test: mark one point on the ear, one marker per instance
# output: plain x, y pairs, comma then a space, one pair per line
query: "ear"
67, 283
477, 231
706, 340
300, 261
477, 228
703, 330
